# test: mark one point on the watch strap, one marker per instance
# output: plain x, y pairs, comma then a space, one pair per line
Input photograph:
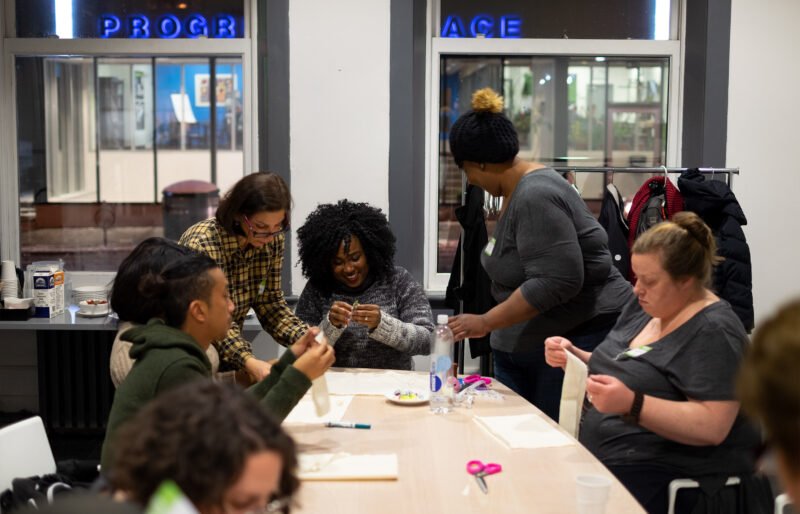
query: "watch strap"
632, 417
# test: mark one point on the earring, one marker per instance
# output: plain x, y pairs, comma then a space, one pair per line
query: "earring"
483, 166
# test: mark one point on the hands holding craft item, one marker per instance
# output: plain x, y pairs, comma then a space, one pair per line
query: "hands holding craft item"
342, 313
314, 354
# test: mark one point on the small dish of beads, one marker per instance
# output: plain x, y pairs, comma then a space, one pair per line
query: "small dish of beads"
408, 397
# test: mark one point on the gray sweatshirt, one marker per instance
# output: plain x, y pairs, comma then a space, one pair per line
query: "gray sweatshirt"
550, 246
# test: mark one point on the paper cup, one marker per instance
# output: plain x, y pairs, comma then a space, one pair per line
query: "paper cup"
591, 493
8, 271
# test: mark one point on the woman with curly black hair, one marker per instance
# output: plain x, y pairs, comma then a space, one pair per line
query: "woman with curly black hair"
375, 313
224, 452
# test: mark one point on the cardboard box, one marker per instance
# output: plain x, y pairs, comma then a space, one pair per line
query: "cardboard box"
48, 292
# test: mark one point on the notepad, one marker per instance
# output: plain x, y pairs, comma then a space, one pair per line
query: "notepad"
523, 431
344, 466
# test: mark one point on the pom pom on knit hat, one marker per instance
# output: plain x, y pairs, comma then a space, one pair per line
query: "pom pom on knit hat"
484, 134
486, 100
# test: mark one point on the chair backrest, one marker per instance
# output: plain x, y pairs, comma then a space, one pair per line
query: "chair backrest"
24, 451
572, 392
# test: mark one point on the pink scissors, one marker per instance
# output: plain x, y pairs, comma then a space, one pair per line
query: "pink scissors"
471, 379
480, 470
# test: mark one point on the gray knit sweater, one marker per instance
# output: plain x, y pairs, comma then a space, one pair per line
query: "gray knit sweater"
405, 327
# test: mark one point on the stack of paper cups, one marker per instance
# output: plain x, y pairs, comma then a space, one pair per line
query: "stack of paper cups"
8, 274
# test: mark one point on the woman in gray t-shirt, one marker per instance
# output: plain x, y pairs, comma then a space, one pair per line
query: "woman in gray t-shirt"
548, 258
661, 385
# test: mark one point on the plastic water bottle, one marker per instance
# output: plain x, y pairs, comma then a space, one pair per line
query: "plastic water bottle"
442, 377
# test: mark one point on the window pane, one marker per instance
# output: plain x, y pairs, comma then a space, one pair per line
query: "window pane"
136, 19
460, 77
568, 111
586, 19
229, 131
99, 141
125, 113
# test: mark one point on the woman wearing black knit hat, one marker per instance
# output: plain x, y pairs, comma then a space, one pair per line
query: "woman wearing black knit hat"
375, 313
548, 258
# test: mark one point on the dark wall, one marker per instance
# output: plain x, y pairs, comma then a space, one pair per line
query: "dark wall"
705, 94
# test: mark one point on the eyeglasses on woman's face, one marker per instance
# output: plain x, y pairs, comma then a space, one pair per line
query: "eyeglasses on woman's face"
264, 235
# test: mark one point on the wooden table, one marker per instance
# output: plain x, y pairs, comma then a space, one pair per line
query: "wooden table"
433, 451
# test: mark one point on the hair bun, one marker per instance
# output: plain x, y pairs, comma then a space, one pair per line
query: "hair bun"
695, 226
486, 100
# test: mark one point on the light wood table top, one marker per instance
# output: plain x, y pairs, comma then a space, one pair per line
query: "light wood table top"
433, 451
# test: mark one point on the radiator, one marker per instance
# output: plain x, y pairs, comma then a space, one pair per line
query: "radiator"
75, 389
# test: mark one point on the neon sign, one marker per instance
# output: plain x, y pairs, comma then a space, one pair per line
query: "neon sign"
168, 26
483, 25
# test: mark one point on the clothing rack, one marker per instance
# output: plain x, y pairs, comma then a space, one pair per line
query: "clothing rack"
727, 172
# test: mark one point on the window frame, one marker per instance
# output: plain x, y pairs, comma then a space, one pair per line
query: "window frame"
673, 49
11, 47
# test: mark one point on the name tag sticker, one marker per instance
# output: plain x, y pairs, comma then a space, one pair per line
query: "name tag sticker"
489, 247
636, 352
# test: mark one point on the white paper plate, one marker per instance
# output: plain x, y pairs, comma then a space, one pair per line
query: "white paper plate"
422, 397
89, 289
92, 314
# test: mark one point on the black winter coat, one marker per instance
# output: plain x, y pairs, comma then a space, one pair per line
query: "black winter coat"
716, 204
613, 220
476, 290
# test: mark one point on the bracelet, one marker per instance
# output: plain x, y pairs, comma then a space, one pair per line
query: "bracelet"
632, 417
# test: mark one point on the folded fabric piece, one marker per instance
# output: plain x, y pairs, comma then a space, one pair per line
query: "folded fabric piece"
375, 383
344, 466
523, 431
572, 392
305, 411
319, 393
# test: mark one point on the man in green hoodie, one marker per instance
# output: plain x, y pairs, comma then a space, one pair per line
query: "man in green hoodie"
193, 296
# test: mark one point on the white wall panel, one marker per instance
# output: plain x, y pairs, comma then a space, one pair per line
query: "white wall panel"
339, 111
763, 113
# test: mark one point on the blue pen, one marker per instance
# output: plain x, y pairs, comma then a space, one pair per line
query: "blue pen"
347, 425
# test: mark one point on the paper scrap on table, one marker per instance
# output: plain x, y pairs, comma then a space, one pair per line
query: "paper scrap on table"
305, 411
572, 392
523, 431
378, 383
344, 466
319, 393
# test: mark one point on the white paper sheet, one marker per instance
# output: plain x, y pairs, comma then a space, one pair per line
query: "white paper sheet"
344, 466
305, 411
523, 431
377, 384
572, 392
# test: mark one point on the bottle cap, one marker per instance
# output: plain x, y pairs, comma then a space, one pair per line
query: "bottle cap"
441, 319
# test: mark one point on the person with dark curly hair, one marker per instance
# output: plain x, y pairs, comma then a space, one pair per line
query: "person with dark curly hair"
215, 442
191, 294
548, 258
246, 239
769, 389
375, 313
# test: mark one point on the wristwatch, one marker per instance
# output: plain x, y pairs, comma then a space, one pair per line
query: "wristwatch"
632, 417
